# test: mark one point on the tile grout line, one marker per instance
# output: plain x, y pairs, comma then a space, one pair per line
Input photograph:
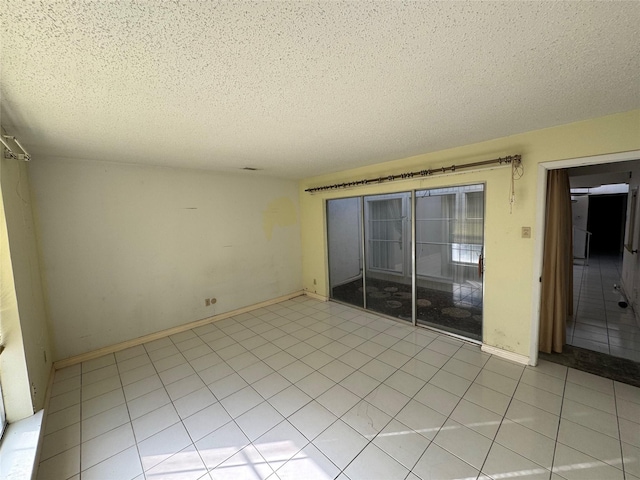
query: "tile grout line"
555, 443
233, 419
337, 383
193, 442
171, 400
606, 313
456, 405
310, 442
129, 412
450, 413
588, 427
493, 441
329, 322
412, 357
394, 417
369, 442
112, 408
615, 400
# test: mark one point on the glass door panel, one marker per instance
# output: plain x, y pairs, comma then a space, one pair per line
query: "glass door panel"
449, 247
387, 231
344, 229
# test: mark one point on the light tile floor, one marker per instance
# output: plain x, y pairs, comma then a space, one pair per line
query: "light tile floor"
311, 390
599, 323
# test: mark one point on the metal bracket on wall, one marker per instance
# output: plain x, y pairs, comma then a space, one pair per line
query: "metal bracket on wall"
8, 151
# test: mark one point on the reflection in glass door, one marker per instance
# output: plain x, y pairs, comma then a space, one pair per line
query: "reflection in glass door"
371, 256
388, 282
449, 247
344, 229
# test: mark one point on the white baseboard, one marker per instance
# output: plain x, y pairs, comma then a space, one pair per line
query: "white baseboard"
67, 362
316, 296
498, 352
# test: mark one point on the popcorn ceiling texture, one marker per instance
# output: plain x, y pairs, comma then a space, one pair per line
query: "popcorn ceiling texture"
304, 88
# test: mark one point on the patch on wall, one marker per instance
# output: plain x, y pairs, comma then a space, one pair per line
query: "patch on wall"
280, 212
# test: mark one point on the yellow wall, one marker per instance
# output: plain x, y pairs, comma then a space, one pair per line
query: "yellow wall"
25, 365
13, 368
510, 268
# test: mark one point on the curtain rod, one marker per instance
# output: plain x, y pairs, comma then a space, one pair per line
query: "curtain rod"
515, 159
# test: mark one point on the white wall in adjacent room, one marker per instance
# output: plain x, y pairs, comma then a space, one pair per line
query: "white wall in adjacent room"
630, 260
580, 211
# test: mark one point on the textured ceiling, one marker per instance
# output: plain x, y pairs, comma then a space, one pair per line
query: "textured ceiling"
303, 88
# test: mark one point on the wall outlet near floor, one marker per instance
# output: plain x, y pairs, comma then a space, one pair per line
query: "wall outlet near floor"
526, 232
210, 301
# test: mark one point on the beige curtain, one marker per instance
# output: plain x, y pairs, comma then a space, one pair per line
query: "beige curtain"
557, 267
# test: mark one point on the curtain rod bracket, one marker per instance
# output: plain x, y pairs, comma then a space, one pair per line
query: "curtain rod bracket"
8, 151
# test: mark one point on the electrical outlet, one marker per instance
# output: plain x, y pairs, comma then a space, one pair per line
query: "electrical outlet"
213, 300
207, 302
526, 232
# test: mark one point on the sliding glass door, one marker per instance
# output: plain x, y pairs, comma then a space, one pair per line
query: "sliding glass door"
344, 230
387, 234
372, 258
449, 251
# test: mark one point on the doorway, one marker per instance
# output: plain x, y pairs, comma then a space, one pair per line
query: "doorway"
606, 221
608, 169
602, 320
415, 256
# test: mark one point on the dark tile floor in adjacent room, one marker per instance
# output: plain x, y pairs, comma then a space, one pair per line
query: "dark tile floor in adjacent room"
458, 311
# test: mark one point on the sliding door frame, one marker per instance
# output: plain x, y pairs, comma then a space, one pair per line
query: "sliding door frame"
363, 247
413, 234
414, 285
